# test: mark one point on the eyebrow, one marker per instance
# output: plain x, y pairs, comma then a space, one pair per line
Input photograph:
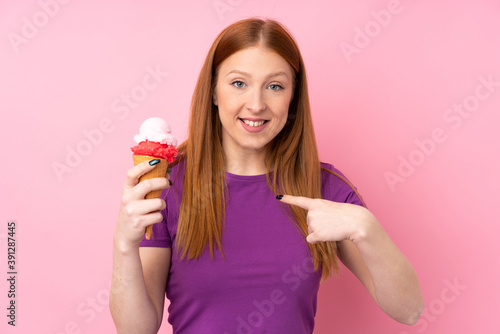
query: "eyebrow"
249, 75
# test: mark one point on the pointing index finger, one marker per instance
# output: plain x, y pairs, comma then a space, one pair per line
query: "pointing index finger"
302, 202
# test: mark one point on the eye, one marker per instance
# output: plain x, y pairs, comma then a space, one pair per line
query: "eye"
276, 87
238, 84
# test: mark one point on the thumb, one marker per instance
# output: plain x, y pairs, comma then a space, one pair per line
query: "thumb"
312, 238
302, 202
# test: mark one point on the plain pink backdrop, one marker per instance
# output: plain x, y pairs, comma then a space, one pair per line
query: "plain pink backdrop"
65, 68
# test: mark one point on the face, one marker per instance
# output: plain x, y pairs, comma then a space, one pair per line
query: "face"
253, 92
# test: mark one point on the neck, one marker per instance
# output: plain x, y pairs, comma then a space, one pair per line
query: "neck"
245, 163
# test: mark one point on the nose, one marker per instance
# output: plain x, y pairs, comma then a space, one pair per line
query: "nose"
256, 101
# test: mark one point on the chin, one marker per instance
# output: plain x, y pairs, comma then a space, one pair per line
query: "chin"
254, 147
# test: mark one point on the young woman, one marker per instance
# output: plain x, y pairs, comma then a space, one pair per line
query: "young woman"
251, 221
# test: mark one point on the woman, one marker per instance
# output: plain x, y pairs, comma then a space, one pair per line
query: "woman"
251, 221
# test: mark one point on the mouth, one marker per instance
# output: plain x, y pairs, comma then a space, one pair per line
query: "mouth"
253, 123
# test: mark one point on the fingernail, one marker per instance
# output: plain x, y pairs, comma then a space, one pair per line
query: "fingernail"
279, 197
154, 162
169, 170
171, 184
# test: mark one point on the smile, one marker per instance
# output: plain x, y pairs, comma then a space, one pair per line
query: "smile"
253, 123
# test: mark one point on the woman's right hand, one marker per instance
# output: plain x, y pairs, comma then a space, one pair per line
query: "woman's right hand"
136, 212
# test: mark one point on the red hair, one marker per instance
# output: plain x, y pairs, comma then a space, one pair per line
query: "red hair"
292, 154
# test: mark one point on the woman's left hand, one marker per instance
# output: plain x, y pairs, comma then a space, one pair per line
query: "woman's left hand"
332, 221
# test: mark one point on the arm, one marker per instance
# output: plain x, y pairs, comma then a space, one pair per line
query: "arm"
139, 275
137, 293
386, 273
366, 249
156, 266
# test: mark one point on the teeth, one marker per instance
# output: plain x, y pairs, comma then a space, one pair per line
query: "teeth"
252, 123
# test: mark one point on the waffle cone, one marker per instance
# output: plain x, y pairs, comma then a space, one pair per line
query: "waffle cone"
159, 171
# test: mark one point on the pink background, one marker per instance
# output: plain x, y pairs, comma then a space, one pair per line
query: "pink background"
65, 69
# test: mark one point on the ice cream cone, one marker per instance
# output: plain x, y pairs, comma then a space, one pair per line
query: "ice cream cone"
159, 171
154, 141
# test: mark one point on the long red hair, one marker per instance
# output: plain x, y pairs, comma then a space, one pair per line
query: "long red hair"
292, 154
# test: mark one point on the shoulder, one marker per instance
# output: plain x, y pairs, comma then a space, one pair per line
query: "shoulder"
331, 174
177, 178
178, 167
337, 187
177, 172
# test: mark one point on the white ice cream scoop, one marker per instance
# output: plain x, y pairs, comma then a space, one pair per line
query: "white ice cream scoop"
156, 129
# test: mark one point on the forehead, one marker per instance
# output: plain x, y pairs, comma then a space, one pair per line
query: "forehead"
255, 60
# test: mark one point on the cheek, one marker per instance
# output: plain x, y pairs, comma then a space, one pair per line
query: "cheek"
282, 113
283, 120
227, 102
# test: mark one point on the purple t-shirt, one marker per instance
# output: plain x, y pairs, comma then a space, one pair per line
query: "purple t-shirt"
267, 283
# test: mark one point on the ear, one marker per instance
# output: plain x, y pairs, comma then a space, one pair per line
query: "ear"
214, 97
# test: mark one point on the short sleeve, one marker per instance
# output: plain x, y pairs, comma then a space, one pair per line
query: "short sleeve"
160, 236
336, 187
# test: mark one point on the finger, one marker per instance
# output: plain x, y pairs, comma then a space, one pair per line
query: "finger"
147, 186
150, 205
312, 238
154, 218
149, 219
136, 172
302, 202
